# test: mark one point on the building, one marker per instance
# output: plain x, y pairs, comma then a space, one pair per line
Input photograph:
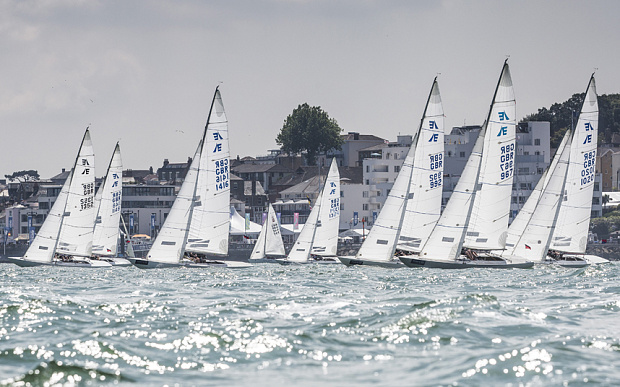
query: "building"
348, 155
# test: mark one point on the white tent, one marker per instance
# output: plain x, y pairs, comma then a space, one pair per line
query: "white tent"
237, 224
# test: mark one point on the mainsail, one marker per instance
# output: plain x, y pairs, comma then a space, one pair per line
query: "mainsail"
424, 203
76, 233
488, 222
269, 241
571, 231
108, 208
210, 221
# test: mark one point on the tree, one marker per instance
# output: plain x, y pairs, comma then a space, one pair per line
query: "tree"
311, 130
23, 176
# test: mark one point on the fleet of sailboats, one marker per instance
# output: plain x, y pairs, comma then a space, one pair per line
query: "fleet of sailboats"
473, 231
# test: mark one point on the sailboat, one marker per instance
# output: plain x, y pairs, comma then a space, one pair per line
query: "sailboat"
198, 222
318, 240
66, 236
413, 204
108, 209
530, 233
475, 220
269, 244
570, 236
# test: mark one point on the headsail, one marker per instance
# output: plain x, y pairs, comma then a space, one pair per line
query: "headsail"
43, 246
169, 244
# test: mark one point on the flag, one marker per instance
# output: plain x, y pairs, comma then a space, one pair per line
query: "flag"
528, 247
109, 251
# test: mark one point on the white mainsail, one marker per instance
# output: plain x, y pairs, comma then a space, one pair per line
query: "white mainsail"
424, 204
445, 240
571, 230
533, 241
169, 244
109, 198
325, 242
76, 233
210, 221
269, 241
43, 246
488, 222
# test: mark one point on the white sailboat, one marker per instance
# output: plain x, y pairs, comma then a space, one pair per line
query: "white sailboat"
570, 236
476, 216
198, 222
529, 235
318, 240
108, 209
66, 236
414, 203
269, 244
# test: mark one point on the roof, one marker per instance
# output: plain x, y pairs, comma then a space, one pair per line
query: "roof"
374, 147
354, 175
361, 137
253, 168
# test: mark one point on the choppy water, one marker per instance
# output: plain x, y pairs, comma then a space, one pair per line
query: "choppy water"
310, 325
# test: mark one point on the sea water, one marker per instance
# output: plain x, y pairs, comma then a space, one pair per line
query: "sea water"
326, 325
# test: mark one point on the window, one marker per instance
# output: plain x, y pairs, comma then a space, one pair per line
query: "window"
526, 153
540, 171
449, 153
396, 168
524, 171
365, 206
367, 168
514, 199
596, 201
462, 154
537, 153
341, 194
367, 182
387, 156
537, 141
378, 193
596, 186
521, 199
341, 206
364, 194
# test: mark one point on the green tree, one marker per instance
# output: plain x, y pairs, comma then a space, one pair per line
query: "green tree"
309, 129
23, 176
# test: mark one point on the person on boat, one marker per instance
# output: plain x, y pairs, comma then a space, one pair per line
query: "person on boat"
469, 253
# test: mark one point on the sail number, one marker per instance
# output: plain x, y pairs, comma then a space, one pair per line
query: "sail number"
436, 161
506, 159
334, 209
116, 201
88, 201
435, 179
221, 174
589, 162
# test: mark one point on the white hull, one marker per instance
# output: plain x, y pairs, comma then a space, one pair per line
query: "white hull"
116, 261
216, 263
86, 263
312, 261
595, 259
573, 261
464, 263
352, 261
264, 260
146, 264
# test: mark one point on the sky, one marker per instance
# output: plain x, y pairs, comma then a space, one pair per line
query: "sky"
143, 72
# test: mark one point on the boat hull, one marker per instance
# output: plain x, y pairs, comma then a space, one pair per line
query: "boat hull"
323, 261
568, 261
146, 264
216, 263
87, 264
463, 264
116, 261
595, 259
352, 261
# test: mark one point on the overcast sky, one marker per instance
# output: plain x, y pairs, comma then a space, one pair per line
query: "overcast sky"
144, 72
